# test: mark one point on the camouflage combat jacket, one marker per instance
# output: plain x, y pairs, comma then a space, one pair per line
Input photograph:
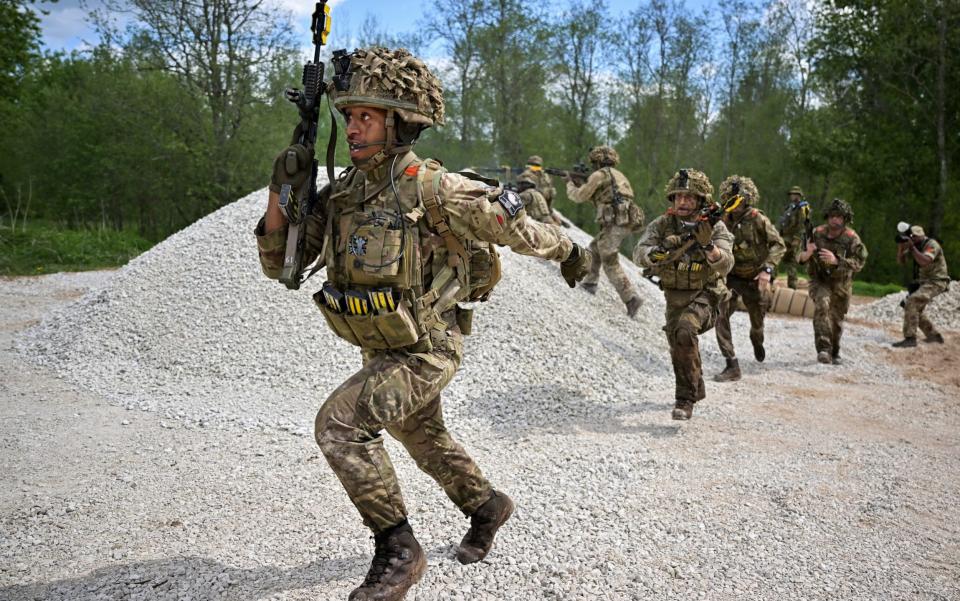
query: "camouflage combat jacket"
544, 183
610, 192
394, 278
693, 271
936, 270
756, 243
850, 251
536, 205
792, 221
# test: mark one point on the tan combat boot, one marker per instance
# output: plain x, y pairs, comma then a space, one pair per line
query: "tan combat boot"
398, 563
731, 372
633, 305
484, 523
682, 409
824, 357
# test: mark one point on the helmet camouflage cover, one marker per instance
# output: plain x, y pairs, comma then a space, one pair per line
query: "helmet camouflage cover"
795, 190
526, 177
603, 156
839, 207
392, 79
692, 181
535, 159
738, 184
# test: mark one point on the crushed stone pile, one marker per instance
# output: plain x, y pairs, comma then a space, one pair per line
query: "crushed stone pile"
197, 310
944, 309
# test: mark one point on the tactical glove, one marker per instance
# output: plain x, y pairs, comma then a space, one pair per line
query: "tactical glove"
293, 166
576, 266
672, 241
704, 233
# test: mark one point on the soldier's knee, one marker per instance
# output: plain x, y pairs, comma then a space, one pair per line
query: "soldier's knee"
685, 334
610, 260
328, 430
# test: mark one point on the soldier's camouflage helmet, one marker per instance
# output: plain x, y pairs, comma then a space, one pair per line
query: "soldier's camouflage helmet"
603, 156
692, 181
535, 160
526, 177
392, 79
739, 185
795, 190
839, 207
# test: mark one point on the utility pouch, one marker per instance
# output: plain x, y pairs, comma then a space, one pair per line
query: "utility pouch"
465, 320
335, 320
366, 319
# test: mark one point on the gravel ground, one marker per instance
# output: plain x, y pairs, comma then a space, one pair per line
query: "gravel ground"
157, 444
944, 310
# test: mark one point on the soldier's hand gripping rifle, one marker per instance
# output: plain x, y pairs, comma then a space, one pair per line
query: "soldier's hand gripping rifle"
578, 174
712, 213
297, 205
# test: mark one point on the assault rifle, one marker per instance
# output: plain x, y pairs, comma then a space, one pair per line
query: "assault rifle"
578, 174
297, 208
504, 171
712, 213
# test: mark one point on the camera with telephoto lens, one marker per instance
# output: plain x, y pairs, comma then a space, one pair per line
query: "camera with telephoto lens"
903, 232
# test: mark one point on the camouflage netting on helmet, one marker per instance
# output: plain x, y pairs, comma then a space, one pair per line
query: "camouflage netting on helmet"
526, 177
692, 181
535, 159
604, 155
839, 207
738, 184
393, 79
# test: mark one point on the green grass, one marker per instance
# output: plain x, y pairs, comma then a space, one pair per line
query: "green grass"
45, 248
873, 289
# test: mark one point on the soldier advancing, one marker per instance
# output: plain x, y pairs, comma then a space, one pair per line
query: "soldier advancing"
533, 200
609, 191
403, 242
757, 248
792, 224
540, 178
833, 254
692, 258
930, 279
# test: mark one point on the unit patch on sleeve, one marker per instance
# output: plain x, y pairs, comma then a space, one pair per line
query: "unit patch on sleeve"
511, 202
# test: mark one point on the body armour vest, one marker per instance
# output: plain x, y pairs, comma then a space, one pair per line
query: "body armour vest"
750, 242
613, 197
395, 271
850, 252
690, 271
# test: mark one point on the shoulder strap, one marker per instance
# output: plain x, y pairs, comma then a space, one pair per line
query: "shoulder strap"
428, 190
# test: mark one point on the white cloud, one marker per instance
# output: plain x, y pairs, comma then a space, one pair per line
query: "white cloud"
66, 28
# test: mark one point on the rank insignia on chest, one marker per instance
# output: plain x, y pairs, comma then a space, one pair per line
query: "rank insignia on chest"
357, 246
511, 202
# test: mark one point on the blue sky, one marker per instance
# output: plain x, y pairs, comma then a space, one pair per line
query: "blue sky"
66, 26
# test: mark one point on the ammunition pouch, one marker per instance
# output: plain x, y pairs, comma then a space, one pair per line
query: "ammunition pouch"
624, 213
369, 321
376, 251
684, 275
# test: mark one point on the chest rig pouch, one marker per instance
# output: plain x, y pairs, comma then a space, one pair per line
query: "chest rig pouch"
689, 272
749, 247
374, 268
619, 210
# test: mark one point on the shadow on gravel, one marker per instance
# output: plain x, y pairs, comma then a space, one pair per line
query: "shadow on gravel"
515, 412
195, 578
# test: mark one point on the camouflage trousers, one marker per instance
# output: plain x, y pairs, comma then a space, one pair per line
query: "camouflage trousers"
399, 392
831, 299
689, 314
607, 246
789, 262
913, 308
757, 305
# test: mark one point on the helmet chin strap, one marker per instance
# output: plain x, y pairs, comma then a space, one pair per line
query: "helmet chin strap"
389, 145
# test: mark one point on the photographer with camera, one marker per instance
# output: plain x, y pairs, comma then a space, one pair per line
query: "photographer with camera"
930, 279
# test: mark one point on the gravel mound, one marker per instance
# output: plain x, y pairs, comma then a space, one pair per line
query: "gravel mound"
944, 310
194, 330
